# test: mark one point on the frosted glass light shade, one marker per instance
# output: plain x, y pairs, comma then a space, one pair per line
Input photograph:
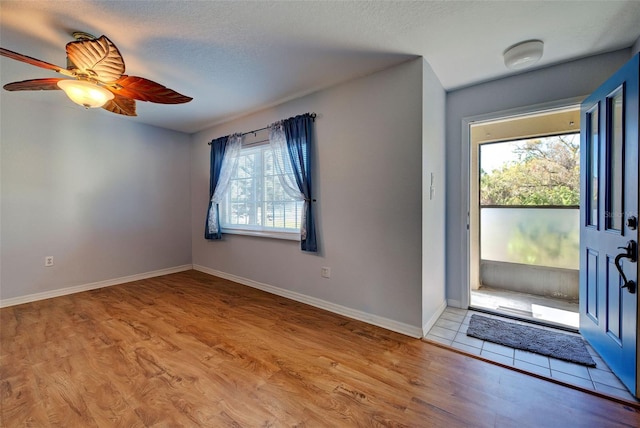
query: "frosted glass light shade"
523, 54
87, 94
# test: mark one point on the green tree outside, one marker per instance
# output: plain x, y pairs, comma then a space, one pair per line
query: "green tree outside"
547, 173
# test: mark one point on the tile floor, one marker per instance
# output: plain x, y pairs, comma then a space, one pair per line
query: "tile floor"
451, 328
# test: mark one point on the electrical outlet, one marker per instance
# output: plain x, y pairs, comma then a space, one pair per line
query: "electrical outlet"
48, 261
325, 272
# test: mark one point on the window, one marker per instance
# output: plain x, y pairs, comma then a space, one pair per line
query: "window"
255, 202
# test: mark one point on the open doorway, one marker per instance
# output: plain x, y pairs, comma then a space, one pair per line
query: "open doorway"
524, 217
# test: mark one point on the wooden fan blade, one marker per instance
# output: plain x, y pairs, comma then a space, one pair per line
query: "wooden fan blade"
34, 61
98, 58
121, 105
143, 89
34, 85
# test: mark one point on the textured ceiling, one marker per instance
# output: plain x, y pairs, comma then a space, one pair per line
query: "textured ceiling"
237, 57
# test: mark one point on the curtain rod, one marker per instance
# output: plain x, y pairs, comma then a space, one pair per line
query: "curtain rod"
313, 117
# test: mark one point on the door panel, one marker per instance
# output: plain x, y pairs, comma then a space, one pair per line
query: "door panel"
591, 294
609, 203
613, 301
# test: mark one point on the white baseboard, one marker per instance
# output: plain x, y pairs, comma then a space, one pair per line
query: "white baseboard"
91, 286
431, 321
455, 304
386, 323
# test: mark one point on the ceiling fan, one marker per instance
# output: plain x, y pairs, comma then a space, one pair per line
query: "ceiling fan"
96, 69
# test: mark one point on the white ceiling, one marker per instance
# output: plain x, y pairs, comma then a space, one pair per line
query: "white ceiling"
235, 57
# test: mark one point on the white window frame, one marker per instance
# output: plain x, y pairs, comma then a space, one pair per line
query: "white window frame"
249, 230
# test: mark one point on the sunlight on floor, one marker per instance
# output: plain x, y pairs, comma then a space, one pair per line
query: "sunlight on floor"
559, 316
554, 311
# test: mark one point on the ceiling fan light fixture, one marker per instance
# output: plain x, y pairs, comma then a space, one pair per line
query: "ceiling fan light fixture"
86, 94
98, 68
523, 55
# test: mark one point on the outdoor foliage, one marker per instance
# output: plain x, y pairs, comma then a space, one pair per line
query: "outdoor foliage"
547, 173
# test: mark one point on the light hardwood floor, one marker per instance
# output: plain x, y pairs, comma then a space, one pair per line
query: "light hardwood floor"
190, 349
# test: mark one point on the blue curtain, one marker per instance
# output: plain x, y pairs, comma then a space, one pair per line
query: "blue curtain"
218, 148
298, 132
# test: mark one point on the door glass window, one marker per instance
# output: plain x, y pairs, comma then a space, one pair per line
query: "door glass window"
615, 146
593, 146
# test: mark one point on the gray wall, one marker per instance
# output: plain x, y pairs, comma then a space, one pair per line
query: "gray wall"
368, 183
564, 81
106, 197
546, 281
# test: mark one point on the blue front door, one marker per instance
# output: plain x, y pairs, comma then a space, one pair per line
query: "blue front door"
609, 222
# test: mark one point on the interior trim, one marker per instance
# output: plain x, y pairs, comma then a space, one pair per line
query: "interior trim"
389, 324
91, 286
434, 319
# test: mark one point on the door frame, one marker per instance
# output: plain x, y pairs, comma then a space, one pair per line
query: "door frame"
465, 169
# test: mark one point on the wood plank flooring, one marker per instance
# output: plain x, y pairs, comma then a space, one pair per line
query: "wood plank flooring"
190, 350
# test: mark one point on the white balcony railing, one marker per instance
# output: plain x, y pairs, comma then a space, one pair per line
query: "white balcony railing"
539, 236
